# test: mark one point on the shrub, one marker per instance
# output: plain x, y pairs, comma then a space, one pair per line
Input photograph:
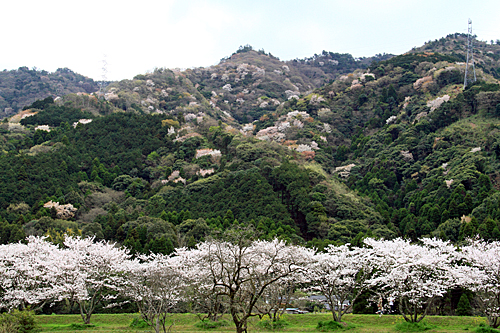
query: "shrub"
78, 327
209, 324
273, 325
138, 323
463, 306
485, 329
7, 325
331, 325
18, 322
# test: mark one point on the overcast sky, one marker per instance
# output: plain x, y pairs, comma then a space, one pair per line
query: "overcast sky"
136, 36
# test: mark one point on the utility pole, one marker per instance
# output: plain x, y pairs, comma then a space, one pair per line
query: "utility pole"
470, 55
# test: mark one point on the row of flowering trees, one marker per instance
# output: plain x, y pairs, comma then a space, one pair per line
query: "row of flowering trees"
245, 277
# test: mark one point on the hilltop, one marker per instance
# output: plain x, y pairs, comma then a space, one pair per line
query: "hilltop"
258, 72
24, 86
486, 55
240, 89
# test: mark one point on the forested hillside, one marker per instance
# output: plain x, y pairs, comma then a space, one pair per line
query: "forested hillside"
23, 86
322, 150
240, 89
486, 54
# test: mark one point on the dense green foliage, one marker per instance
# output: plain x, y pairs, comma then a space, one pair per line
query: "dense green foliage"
54, 115
23, 86
19, 322
463, 306
112, 170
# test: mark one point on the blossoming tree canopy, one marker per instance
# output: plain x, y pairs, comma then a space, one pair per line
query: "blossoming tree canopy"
156, 285
413, 274
28, 273
241, 271
247, 277
92, 269
482, 276
341, 276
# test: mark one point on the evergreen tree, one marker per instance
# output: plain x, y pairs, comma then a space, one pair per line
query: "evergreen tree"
53, 212
463, 306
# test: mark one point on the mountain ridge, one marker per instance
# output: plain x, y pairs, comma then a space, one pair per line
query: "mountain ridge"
33, 84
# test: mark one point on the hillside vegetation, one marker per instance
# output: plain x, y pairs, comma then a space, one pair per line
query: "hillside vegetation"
323, 150
24, 86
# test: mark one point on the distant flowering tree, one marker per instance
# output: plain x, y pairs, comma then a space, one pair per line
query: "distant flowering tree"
156, 285
240, 271
277, 296
91, 272
200, 291
28, 273
482, 276
247, 277
341, 274
413, 274
84, 271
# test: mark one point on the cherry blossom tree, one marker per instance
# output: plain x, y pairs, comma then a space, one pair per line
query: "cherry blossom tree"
241, 271
91, 272
277, 296
341, 275
156, 285
206, 303
413, 274
28, 273
482, 276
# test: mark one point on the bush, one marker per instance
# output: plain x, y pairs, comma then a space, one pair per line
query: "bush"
486, 329
331, 325
413, 327
273, 325
18, 322
463, 306
138, 323
79, 327
7, 325
209, 324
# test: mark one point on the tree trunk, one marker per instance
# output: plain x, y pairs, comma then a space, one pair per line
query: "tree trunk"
157, 326
339, 315
241, 326
84, 314
334, 312
494, 321
86, 318
410, 313
402, 309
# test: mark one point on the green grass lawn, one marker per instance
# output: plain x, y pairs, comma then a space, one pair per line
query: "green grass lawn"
297, 323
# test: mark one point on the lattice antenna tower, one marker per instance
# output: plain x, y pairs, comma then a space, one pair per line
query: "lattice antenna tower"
104, 76
470, 56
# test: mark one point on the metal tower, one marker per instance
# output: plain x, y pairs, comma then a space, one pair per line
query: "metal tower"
470, 56
104, 78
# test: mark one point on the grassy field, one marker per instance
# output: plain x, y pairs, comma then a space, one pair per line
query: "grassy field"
296, 323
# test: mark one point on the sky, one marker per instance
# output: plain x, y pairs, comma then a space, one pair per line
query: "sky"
134, 37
